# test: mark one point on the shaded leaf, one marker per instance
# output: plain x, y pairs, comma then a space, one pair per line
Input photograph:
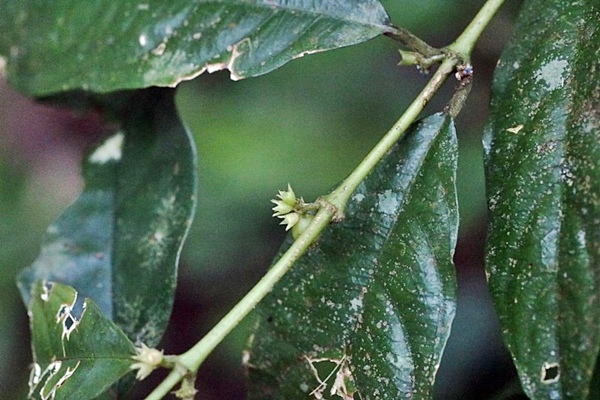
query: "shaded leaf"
368, 310
102, 45
77, 352
119, 243
543, 179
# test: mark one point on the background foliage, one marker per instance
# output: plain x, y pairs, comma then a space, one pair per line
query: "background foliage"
307, 123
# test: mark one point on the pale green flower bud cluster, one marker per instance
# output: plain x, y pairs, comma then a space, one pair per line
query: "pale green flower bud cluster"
148, 360
285, 208
292, 211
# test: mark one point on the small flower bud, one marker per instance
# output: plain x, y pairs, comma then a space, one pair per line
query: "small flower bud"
284, 207
289, 220
288, 197
281, 208
148, 359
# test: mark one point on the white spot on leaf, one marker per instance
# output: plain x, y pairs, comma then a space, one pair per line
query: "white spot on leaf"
111, 150
552, 74
356, 303
160, 49
46, 288
2, 67
388, 203
358, 197
515, 129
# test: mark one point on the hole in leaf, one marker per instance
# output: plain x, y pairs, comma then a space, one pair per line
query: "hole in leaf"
69, 315
550, 372
68, 322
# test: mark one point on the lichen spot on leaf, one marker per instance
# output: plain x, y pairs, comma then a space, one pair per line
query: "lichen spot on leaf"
552, 74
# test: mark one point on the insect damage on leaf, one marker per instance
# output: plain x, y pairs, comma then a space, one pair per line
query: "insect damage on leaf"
77, 352
68, 316
50, 378
550, 372
69, 321
342, 383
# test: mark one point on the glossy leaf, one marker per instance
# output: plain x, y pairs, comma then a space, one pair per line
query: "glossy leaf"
119, 243
543, 179
103, 45
77, 352
368, 310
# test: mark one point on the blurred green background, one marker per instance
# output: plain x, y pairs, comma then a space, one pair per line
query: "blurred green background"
308, 123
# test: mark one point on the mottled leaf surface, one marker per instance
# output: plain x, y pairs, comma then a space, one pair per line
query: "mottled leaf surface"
368, 310
105, 45
77, 352
119, 243
543, 176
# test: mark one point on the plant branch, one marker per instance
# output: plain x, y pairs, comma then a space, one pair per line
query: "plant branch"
464, 44
340, 196
413, 42
194, 357
459, 98
190, 361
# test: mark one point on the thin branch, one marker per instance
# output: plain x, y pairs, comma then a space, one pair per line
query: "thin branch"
412, 41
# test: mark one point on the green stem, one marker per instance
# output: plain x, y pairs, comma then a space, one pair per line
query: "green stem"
340, 196
464, 44
194, 357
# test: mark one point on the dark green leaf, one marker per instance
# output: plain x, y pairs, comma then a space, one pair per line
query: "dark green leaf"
372, 303
77, 352
119, 243
105, 45
543, 174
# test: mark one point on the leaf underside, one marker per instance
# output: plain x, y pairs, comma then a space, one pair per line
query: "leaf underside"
77, 352
368, 310
119, 243
105, 45
543, 187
